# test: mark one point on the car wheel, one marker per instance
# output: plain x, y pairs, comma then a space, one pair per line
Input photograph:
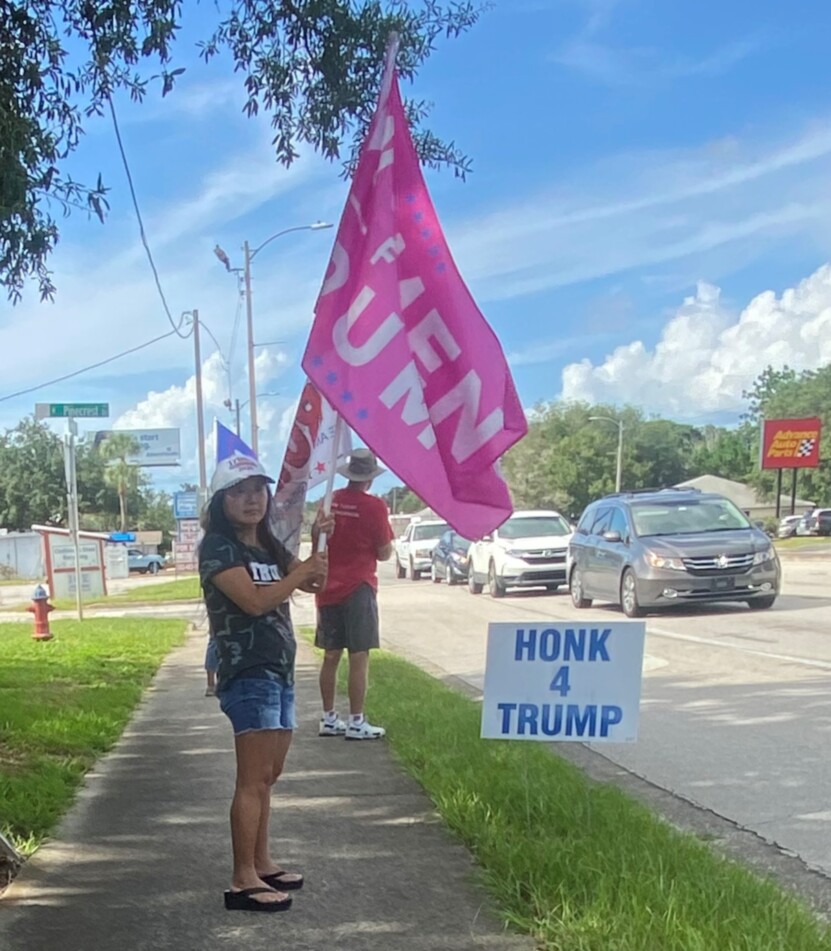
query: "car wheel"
412, 574
154, 568
761, 604
449, 577
434, 575
629, 595
575, 587
473, 586
496, 587
401, 571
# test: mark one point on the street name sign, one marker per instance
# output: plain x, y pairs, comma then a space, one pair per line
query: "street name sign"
72, 410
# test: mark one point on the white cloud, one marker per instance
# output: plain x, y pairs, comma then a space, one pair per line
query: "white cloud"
708, 354
730, 198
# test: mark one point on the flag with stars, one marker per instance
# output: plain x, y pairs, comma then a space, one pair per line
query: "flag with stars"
398, 345
310, 456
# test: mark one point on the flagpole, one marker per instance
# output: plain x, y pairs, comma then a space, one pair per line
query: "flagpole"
330, 479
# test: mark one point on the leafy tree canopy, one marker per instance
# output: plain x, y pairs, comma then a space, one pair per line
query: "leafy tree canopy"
314, 65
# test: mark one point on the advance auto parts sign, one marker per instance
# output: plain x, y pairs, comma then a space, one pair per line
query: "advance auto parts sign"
791, 443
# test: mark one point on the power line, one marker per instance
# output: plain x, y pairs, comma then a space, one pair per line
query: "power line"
176, 328
93, 366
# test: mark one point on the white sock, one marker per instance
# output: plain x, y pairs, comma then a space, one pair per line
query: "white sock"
356, 718
330, 716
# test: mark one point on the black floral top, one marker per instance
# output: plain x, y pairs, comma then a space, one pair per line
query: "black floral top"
247, 645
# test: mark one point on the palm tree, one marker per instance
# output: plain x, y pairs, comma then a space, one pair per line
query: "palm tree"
116, 450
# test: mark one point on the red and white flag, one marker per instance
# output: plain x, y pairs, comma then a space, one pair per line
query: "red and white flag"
310, 454
398, 345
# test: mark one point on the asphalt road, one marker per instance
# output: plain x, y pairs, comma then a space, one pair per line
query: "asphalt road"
735, 712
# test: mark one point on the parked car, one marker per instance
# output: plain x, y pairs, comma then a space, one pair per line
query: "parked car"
450, 558
824, 522
812, 521
138, 561
656, 549
787, 526
414, 549
527, 551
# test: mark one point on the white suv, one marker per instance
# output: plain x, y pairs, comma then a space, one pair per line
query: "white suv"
414, 549
528, 550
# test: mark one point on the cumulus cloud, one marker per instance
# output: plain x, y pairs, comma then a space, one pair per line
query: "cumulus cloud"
707, 353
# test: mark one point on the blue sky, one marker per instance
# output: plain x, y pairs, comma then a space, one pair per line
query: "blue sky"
648, 219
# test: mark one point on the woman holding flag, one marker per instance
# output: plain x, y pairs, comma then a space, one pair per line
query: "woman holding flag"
247, 577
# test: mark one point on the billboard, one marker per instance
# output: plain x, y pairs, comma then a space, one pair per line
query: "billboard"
157, 447
791, 443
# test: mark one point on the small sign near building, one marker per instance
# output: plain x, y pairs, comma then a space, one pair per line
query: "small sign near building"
578, 681
186, 545
185, 505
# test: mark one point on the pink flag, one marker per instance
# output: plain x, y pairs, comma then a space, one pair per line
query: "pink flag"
398, 345
310, 454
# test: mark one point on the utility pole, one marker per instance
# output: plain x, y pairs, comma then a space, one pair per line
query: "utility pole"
237, 412
619, 471
252, 383
70, 470
200, 411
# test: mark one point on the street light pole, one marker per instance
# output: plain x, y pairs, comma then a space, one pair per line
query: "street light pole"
619, 466
252, 383
249, 312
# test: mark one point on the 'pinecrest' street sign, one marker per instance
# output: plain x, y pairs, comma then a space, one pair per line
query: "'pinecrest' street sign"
72, 410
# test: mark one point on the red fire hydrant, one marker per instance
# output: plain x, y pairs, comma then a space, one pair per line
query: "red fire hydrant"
41, 608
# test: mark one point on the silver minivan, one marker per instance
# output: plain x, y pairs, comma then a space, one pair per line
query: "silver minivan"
662, 548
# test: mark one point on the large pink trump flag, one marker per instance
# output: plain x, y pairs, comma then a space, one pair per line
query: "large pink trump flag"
398, 346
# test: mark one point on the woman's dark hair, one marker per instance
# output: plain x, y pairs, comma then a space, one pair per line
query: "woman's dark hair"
214, 519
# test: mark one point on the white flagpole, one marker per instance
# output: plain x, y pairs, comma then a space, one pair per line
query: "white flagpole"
330, 479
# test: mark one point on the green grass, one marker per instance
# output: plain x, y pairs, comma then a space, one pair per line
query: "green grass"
819, 542
579, 866
182, 589
63, 703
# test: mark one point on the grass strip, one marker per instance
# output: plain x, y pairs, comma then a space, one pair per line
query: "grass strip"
182, 589
63, 703
578, 865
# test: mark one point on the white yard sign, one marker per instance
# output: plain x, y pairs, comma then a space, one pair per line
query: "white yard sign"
578, 681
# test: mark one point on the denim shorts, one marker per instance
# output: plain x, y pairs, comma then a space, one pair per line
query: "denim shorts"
211, 656
258, 703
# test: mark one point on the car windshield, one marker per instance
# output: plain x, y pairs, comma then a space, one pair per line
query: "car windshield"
427, 532
687, 517
534, 526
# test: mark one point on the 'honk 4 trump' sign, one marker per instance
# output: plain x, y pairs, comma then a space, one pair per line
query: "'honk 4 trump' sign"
569, 682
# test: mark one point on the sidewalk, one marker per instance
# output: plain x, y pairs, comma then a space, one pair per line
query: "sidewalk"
142, 859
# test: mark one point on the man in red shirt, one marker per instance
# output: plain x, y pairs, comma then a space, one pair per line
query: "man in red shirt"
347, 616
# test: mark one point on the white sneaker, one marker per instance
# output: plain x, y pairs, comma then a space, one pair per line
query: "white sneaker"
334, 728
364, 731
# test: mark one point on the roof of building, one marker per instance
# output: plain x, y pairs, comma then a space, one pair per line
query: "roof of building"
741, 495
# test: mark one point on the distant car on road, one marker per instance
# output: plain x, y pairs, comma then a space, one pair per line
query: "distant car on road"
526, 551
414, 549
655, 549
814, 522
450, 558
138, 561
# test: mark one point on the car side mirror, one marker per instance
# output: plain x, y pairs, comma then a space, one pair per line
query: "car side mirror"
612, 537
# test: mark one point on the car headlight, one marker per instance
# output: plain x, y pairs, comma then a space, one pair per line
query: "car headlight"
423, 552
661, 561
762, 556
515, 553
462, 559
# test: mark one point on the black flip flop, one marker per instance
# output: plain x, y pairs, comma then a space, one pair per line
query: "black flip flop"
243, 901
275, 880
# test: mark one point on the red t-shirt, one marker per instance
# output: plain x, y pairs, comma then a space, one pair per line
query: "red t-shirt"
362, 526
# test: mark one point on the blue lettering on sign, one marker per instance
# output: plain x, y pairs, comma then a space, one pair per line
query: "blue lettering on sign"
551, 645
552, 719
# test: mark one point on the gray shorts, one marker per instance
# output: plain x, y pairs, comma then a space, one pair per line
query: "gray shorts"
351, 625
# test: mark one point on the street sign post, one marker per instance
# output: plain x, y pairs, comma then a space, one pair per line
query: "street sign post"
72, 410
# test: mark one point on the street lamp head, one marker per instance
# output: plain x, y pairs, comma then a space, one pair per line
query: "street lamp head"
320, 225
